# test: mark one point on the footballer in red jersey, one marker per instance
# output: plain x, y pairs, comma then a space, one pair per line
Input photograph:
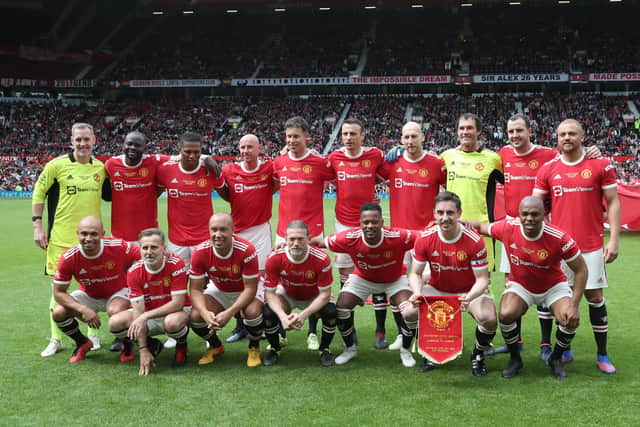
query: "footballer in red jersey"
356, 170
99, 266
576, 184
249, 188
231, 263
535, 250
414, 181
158, 292
301, 174
377, 253
298, 275
189, 185
457, 257
133, 188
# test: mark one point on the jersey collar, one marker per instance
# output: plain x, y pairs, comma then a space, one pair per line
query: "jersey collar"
404, 156
95, 256
189, 172
297, 159
535, 238
226, 256
290, 258
455, 239
349, 156
250, 171
573, 163
376, 244
164, 261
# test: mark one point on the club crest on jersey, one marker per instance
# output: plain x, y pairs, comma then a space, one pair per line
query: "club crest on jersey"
235, 269
440, 315
366, 163
533, 164
479, 166
96, 177
309, 274
166, 282
461, 255
543, 254
387, 254
110, 265
423, 172
263, 176
202, 182
307, 169
143, 172
586, 173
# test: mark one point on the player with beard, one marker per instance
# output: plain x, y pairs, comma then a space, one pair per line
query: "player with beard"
377, 253
575, 183
298, 276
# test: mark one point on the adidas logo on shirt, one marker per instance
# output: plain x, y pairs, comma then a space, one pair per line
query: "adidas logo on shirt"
557, 177
83, 271
435, 253
116, 174
174, 181
212, 269
513, 246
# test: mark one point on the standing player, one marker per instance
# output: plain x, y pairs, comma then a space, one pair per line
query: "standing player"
158, 291
189, 185
414, 181
249, 189
457, 257
231, 263
535, 250
578, 184
72, 185
356, 169
99, 266
472, 173
298, 276
133, 188
301, 174
378, 253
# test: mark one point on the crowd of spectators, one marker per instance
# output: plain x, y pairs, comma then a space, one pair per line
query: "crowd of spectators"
42, 130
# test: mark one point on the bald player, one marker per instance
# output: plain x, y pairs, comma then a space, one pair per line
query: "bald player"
231, 264
99, 265
249, 188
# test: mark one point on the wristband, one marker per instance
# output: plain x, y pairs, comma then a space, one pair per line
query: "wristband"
35, 218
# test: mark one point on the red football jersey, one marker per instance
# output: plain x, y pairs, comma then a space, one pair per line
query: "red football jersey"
413, 184
535, 263
189, 207
133, 195
302, 280
451, 261
157, 287
380, 263
520, 172
99, 276
301, 190
355, 181
576, 191
226, 273
250, 194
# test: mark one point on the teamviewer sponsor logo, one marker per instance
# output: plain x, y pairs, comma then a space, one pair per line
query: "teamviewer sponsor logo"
71, 190
397, 183
238, 188
118, 186
173, 192
557, 190
342, 176
283, 180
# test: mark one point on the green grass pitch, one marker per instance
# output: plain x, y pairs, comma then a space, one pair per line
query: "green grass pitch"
374, 389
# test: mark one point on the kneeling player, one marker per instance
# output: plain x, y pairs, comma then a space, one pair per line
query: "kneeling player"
457, 257
298, 276
231, 263
536, 249
99, 265
158, 292
378, 253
